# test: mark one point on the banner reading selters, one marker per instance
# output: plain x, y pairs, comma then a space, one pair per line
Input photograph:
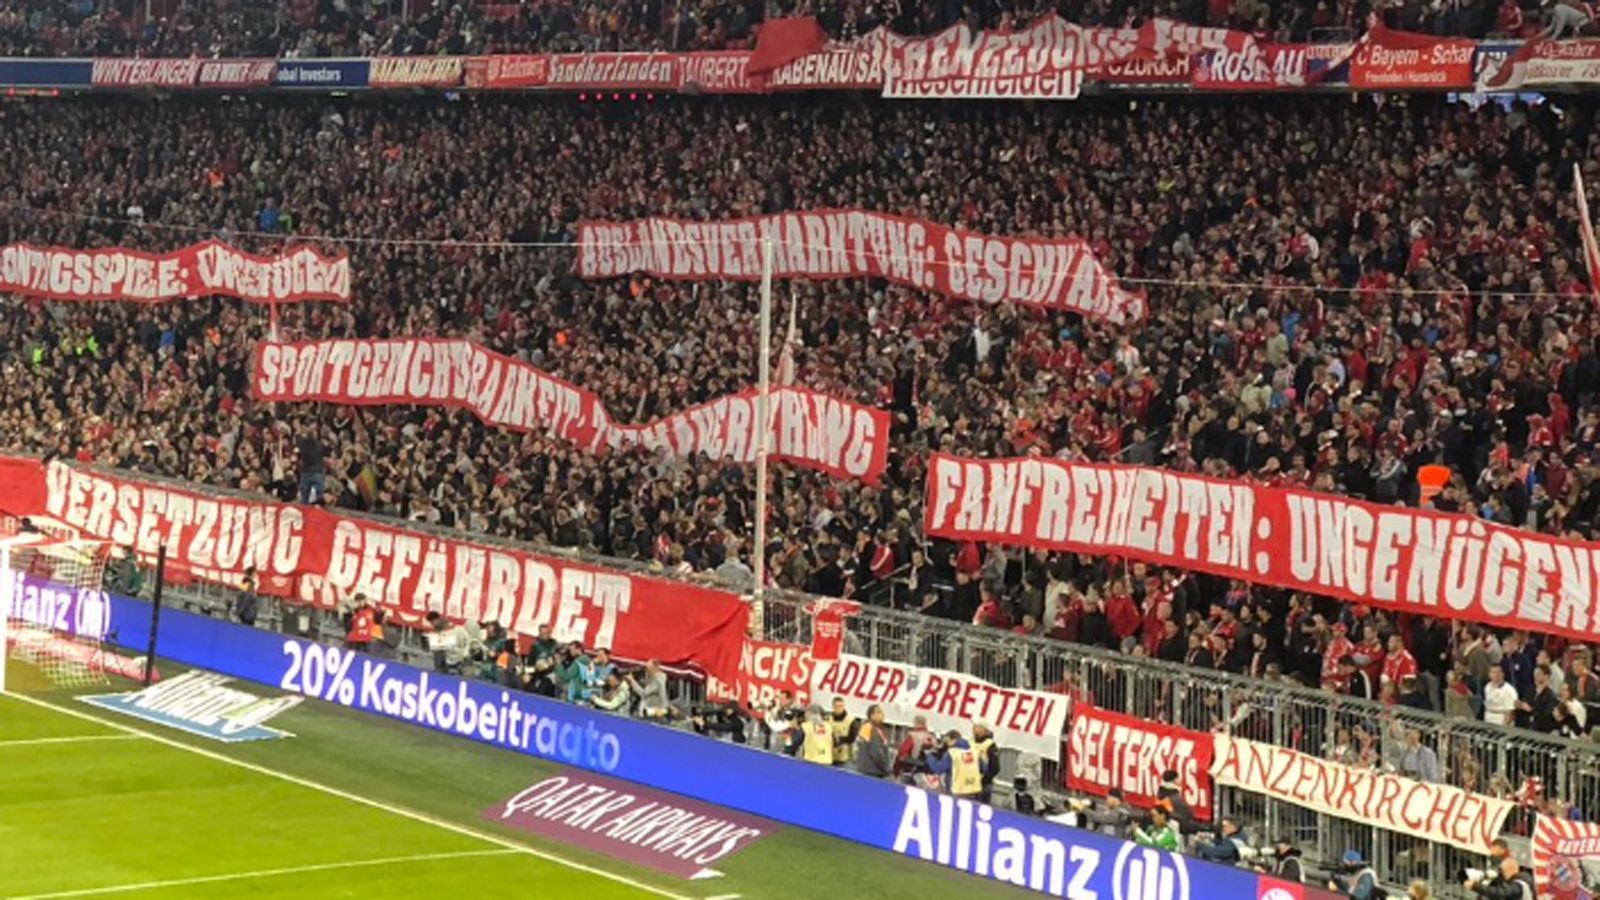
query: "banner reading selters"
1107, 750
318, 557
839, 437
1409, 560
200, 270
1021, 719
1436, 812
1056, 273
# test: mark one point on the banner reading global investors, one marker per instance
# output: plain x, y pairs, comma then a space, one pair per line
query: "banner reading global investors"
811, 429
200, 270
1566, 858
1410, 560
1435, 812
1021, 719
326, 559
995, 844
1107, 750
1056, 273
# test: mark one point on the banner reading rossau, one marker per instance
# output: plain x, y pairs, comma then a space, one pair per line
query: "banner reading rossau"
318, 557
1107, 750
1056, 273
1408, 560
1021, 719
841, 438
1436, 812
201, 270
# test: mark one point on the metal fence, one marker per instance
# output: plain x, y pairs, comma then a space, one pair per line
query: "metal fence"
1472, 754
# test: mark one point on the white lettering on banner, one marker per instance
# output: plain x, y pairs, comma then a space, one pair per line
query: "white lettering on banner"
122, 72
203, 269
1044, 61
201, 532
1054, 273
1405, 559
1021, 719
622, 70
841, 438
417, 70
765, 668
1108, 750
1436, 812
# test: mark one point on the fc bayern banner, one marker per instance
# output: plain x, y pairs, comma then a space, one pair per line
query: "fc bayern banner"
1021, 719
1055, 273
808, 428
1408, 560
1387, 60
1435, 812
1566, 859
207, 269
318, 557
1107, 750
767, 668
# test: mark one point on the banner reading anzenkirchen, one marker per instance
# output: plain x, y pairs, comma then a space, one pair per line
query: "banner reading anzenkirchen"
1057, 273
318, 557
811, 429
1408, 560
1436, 812
201, 270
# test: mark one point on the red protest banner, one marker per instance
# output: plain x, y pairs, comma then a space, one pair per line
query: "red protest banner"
128, 72
416, 71
325, 559
524, 71
1107, 750
1056, 273
1408, 560
808, 428
201, 270
608, 71
720, 72
1397, 59
236, 73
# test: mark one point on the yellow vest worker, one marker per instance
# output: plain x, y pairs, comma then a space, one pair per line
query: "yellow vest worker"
818, 747
966, 772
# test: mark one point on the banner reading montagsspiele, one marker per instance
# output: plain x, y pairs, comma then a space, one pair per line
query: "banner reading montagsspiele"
1055, 273
806, 427
1410, 560
201, 270
315, 556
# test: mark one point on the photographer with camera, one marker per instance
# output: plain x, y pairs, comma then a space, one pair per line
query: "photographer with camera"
721, 717
1110, 817
614, 694
1356, 879
574, 672
1229, 845
845, 730
1506, 881
539, 670
817, 740
781, 721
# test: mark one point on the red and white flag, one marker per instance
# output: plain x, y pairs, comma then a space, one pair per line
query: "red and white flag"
1591, 252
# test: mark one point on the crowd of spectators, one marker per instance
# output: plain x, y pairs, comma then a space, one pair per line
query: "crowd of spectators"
306, 28
1341, 292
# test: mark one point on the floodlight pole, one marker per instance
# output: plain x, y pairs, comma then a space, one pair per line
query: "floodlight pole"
758, 553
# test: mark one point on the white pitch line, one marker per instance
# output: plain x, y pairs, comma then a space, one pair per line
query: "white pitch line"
260, 873
355, 798
69, 739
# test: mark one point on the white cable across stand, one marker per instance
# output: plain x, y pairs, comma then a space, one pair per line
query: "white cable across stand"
758, 553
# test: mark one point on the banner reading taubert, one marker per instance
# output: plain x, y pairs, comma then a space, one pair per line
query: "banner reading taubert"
1436, 812
1408, 560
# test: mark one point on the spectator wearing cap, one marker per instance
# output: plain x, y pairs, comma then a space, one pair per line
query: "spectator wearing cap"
1286, 861
1355, 878
1110, 816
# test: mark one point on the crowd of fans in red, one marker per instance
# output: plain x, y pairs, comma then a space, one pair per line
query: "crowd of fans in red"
1341, 291
400, 27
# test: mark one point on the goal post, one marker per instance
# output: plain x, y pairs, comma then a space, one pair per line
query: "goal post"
54, 612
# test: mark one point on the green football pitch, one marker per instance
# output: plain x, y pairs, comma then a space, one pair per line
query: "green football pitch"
93, 804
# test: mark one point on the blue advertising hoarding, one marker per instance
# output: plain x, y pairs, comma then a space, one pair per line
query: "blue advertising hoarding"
46, 73
322, 74
971, 837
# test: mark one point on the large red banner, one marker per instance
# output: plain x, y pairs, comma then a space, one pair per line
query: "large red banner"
524, 71
1409, 560
176, 72
1387, 59
1107, 750
1265, 67
606, 71
319, 557
720, 72
1056, 273
200, 270
765, 669
236, 73
1042, 62
839, 437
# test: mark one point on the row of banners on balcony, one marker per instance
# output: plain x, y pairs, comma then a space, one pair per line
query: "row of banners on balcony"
1052, 60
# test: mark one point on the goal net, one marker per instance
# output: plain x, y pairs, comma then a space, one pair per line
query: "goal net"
54, 613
